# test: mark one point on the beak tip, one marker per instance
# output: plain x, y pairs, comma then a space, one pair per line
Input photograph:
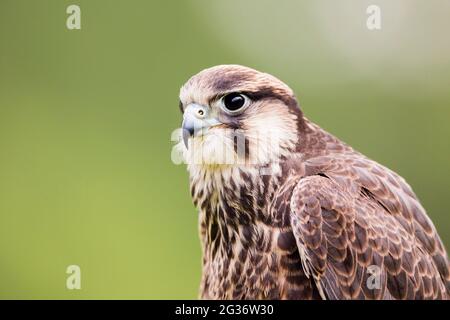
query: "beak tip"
186, 136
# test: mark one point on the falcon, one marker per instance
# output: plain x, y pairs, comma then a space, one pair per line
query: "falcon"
288, 211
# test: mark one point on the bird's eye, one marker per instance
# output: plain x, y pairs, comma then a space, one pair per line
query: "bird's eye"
234, 101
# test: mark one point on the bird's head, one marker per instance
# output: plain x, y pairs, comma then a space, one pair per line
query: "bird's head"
237, 115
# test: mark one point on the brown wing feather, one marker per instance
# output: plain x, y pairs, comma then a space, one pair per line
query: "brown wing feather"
357, 221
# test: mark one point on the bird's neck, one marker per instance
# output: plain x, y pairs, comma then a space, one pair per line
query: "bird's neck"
232, 199
239, 186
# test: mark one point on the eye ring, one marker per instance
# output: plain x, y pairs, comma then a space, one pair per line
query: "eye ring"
234, 102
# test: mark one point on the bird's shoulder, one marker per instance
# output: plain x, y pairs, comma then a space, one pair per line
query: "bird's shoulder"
348, 213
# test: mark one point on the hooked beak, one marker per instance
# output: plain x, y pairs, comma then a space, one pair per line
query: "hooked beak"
196, 118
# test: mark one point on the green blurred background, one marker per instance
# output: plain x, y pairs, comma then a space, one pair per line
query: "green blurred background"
86, 117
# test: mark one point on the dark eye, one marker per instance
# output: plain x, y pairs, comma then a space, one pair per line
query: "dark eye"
234, 101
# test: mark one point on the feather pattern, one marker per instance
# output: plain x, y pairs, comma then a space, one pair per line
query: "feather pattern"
326, 223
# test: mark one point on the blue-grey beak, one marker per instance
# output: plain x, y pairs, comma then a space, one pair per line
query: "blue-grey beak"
196, 119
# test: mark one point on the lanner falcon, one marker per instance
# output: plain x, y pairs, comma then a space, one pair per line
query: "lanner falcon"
288, 211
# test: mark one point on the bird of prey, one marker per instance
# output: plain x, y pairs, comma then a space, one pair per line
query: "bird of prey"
288, 211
